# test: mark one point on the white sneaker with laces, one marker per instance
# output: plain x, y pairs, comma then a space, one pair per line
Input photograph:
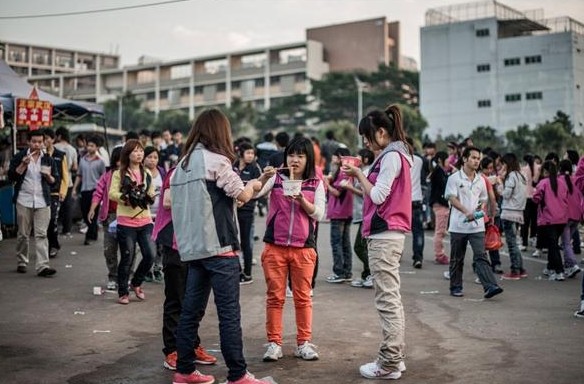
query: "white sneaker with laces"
522, 248
357, 283
274, 352
306, 351
111, 285
536, 253
374, 371
368, 283
335, 279
557, 276
289, 292
571, 272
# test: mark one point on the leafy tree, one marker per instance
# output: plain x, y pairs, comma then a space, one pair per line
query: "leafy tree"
344, 131
551, 137
520, 141
134, 116
484, 137
173, 119
242, 116
413, 122
284, 113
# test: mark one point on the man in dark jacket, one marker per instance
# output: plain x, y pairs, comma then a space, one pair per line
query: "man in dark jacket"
34, 172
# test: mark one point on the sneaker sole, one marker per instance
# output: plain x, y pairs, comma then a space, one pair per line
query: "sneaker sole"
306, 359
201, 362
168, 366
579, 315
271, 359
245, 282
396, 375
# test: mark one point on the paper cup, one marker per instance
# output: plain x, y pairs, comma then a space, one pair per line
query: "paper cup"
97, 291
292, 187
351, 160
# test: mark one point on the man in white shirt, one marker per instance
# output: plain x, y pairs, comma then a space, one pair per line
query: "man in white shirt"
417, 209
467, 192
34, 172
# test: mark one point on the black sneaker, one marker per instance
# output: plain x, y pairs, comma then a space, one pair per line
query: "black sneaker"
418, 264
53, 253
47, 272
493, 291
456, 293
21, 269
579, 314
245, 280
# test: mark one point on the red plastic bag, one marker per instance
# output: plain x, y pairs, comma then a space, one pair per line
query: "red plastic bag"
493, 240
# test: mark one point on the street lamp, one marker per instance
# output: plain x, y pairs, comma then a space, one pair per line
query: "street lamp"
360, 87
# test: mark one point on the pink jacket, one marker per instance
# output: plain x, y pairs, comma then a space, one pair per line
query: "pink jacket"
551, 208
340, 207
101, 194
575, 202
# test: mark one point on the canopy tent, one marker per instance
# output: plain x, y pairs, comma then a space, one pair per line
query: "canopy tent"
13, 86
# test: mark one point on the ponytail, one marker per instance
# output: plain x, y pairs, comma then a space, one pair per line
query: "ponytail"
566, 170
398, 133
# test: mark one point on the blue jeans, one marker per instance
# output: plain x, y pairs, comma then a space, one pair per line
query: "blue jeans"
418, 230
127, 239
222, 275
341, 246
481, 266
510, 230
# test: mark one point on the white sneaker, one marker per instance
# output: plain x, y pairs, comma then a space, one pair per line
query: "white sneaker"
446, 275
571, 272
368, 283
532, 241
580, 313
274, 352
335, 279
374, 371
536, 253
546, 272
312, 293
522, 248
306, 351
111, 285
289, 291
477, 280
357, 283
557, 276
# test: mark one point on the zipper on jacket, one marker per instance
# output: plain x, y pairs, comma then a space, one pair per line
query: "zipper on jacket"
291, 224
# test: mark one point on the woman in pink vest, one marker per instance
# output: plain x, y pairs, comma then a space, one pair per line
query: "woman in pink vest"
574, 217
551, 197
387, 213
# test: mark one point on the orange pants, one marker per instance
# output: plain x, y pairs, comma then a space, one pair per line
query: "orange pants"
278, 262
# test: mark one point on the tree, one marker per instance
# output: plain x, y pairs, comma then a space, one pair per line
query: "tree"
134, 116
520, 141
551, 137
344, 131
284, 113
487, 137
173, 119
413, 122
242, 116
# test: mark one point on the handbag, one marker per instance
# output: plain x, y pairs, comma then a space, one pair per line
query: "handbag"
493, 240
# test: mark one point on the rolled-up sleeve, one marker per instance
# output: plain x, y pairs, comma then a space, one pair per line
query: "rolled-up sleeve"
450, 190
225, 176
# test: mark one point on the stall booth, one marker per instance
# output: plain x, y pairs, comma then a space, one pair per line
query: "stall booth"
22, 102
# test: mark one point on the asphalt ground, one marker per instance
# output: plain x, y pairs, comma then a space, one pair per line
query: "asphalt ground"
55, 330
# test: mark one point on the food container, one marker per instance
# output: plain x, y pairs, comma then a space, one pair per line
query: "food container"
351, 160
292, 187
97, 291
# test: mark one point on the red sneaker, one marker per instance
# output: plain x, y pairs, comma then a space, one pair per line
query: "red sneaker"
511, 276
195, 377
248, 378
442, 260
139, 293
203, 357
170, 361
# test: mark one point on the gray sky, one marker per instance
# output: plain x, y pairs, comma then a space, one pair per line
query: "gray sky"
202, 27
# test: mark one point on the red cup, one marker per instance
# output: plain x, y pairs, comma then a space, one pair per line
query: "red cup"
351, 160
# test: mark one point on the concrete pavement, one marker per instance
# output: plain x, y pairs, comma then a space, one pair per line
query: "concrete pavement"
54, 330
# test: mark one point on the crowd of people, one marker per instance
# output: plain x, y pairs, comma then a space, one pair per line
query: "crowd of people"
190, 209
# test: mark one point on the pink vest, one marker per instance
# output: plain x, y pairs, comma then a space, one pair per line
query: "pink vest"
395, 213
575, 202
288, 224
340, 207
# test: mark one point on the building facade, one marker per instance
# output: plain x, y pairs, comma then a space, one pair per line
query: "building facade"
35, 60
486, 64
260, 76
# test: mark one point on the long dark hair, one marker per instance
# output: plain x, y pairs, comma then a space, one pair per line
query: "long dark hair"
550, 167
114, 158
212, 129
389, 120
530, 160
125, 156
566, 170
301, 146
510, 160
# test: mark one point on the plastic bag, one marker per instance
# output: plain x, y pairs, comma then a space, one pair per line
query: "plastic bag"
493, 240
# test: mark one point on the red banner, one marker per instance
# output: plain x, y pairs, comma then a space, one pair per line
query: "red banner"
34, 113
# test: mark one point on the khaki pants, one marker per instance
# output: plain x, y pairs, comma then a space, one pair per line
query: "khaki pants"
27, 220
384, 257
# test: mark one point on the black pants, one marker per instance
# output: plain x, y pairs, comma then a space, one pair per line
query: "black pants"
529, 227
66, 212
91, 234
245, 219
175, 281
53, 230
549, 235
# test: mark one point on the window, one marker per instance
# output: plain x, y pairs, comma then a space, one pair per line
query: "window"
483, 67
259, 83
221, 87
299, 77
512, 61
235, 84
482, 32
198, 90
274, 80
484, 103
533, 96
533, 59
513, 97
